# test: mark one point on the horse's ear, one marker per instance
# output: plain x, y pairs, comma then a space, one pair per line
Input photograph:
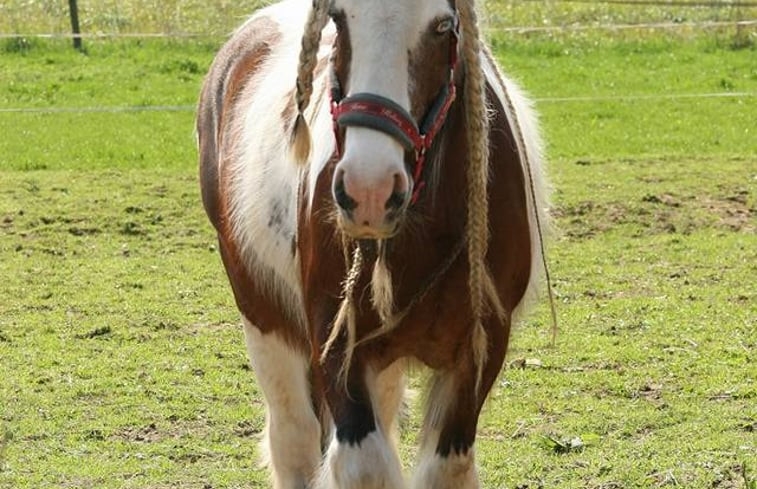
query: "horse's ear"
300, 143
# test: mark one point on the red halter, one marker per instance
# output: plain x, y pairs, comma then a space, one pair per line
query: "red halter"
385, 115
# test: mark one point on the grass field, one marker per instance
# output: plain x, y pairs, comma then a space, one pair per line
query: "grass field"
121, 357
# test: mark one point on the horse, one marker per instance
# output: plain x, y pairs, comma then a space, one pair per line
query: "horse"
376, 185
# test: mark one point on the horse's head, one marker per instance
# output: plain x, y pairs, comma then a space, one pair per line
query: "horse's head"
392, 83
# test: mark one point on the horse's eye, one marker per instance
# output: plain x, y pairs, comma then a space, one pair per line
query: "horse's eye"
444, 26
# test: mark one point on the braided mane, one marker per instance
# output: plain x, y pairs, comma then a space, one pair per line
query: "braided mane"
311, 41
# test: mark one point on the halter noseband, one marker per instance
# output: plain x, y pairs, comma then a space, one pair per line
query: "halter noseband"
382, 114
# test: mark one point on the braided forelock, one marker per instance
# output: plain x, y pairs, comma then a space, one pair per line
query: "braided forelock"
311, 42
482, 290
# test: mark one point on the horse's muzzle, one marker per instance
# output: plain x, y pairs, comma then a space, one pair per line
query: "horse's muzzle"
371, 208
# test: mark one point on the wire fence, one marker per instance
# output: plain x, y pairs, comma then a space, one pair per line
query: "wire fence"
622, 27
540, 100
215, 18
667, 25
110, 35
509, 29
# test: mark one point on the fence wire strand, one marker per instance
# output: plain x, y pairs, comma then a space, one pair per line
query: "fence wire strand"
490, 29
540, 100
625, 27
497, 29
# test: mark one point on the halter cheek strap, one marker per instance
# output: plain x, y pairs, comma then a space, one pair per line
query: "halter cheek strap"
382, 114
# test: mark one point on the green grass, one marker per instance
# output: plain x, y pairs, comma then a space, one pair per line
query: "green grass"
137, 73
121, 358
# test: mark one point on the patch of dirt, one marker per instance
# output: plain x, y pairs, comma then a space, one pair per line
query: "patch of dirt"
95, 333
131, 228
733, 212
145, 434
246, 429
607, 366
173, 427
724, 396
81, 231
665, 199
588, 219
662, 479
741, 299
659, 213
731, 477
191, 457
649, 390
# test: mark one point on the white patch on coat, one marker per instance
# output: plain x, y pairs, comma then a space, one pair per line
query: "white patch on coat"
387, 391
440, 399
292, 438
452, 472
264, 181
371, 464
529, 126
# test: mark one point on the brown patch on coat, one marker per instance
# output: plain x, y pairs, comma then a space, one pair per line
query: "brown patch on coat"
234, 65
342, 52
429, 65
255, 303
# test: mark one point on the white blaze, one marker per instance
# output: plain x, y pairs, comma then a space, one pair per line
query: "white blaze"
382, 33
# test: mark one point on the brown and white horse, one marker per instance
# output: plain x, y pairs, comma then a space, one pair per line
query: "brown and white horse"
409, 233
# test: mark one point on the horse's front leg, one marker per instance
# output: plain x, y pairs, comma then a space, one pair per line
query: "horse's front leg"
293, 432
447, 455
362, 454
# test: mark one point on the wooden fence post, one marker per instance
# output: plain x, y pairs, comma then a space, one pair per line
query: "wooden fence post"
74, 11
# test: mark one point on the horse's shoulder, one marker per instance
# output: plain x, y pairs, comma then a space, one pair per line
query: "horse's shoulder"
239, 58
234, 65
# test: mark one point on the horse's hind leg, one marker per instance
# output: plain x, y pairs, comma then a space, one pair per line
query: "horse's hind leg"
293, 433
447, 455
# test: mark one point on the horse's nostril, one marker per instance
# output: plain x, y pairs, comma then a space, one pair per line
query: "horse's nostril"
399, 193
401, 183
343, 200
396, 201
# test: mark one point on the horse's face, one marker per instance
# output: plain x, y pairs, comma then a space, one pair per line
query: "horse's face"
398, 50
